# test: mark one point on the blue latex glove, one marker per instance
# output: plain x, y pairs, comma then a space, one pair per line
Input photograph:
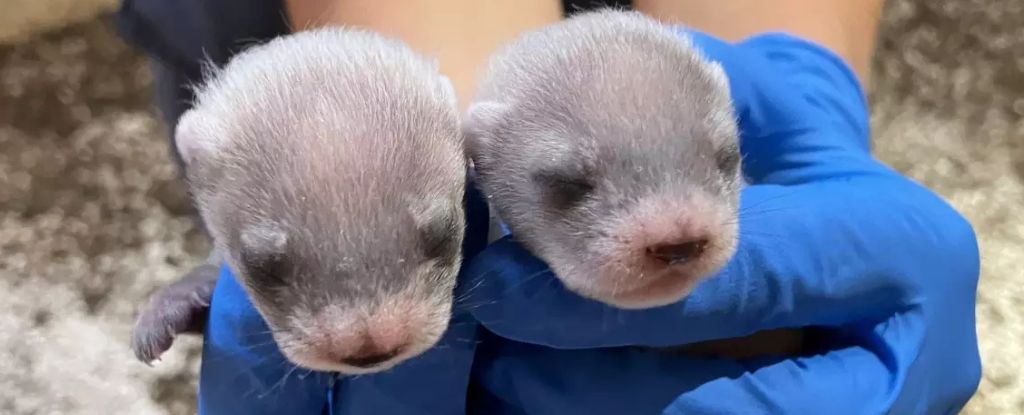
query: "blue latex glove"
829, 237
243, 371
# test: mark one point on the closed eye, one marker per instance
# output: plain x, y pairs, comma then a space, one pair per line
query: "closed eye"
727, 159
439, 236
265, 268
437, 242
564, 191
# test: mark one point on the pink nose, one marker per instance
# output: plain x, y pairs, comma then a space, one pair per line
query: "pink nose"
367, 347
354, 338
679, 253
370, 355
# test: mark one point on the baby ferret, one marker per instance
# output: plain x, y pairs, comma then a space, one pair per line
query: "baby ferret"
609, 147
328, 165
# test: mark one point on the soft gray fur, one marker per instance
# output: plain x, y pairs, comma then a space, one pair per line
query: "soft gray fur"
328, 165
620, 110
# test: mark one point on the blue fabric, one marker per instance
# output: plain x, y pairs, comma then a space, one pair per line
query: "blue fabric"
830, 238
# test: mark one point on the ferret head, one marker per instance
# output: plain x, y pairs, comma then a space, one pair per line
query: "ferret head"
329, 168
609, 148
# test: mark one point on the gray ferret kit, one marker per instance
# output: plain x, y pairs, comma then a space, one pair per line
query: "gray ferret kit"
609, 147
329, 167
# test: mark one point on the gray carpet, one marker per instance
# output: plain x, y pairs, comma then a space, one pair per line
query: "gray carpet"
92, 217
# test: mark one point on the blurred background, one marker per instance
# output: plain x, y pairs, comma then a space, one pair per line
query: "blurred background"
93, 216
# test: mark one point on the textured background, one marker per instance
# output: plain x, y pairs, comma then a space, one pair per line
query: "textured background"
24, 18
92, 217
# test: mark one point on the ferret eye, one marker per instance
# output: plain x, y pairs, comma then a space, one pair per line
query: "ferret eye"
439, 236
436, 244
268, 268
564, 191
263, 255
728, 159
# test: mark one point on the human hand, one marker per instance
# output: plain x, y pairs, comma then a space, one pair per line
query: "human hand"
829, 237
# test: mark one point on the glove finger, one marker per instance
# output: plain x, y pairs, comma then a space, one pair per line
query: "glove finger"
859, 379
540, 380
800, 110
894, 366
862, 368
861, 374
828, 253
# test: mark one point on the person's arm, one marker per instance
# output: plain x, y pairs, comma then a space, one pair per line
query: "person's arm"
462, 34
847, 27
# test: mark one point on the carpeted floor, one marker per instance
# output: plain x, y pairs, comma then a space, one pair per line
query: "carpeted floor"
92, 217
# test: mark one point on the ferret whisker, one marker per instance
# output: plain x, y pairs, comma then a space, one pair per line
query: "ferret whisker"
474, 306
526, 279
604, 318
463, 297
747, 214
776, 197
469, 292
280, 384
771, 244
757, 233
257, 334
254, 346
549, 284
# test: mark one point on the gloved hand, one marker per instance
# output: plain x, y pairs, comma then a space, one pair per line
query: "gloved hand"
830, 237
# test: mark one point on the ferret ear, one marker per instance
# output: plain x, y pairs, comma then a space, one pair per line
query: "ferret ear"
481, 119
263, 253
192, 140
439, 227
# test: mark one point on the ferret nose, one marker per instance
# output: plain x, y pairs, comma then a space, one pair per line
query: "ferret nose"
371, 355
677, 254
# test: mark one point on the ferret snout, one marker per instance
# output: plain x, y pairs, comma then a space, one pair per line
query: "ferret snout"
657, 251
370, 355
679, 253
352, 341
366, 346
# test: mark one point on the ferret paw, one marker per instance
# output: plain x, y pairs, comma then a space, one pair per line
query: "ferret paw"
178, 308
